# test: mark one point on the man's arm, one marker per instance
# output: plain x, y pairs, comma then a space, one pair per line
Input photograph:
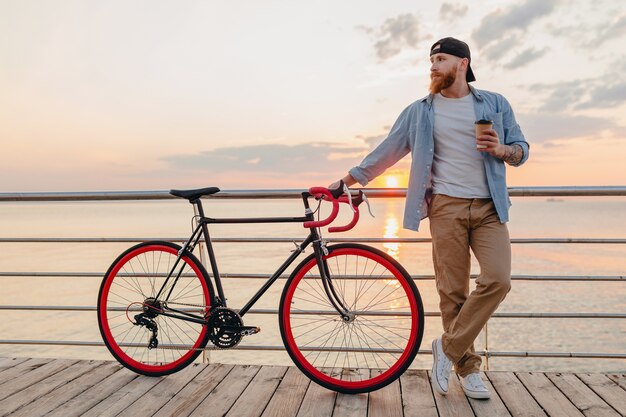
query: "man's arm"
513, 136
513, 154
489, 142
390, 151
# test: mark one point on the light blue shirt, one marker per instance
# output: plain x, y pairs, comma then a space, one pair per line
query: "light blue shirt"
413, 132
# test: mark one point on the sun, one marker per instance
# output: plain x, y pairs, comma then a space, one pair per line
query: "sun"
391, 181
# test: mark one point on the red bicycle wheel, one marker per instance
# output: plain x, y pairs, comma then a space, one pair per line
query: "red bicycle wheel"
135, 277
383, 333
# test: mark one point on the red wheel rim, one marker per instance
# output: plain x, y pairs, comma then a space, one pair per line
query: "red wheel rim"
119, 352
351, 385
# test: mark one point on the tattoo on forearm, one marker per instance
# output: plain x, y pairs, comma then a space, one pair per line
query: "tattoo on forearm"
513, 154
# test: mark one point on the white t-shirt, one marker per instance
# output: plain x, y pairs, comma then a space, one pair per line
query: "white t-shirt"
458, 167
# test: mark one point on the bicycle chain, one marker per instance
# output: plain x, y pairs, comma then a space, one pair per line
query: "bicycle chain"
186, 304
207, 347
186, 348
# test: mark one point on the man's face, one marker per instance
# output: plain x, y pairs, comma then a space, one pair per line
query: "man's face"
443, 71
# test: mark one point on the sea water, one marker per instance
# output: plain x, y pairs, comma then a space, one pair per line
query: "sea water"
530, 218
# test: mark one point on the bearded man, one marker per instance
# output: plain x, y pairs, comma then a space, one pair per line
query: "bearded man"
457, 179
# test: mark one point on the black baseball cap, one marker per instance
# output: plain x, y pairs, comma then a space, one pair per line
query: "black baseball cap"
454, 47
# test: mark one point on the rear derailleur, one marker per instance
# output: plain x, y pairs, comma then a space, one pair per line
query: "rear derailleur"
141, 320
151, 309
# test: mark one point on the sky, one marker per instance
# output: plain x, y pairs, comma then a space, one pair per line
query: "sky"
153, 95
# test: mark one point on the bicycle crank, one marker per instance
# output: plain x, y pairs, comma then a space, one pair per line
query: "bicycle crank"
226, 328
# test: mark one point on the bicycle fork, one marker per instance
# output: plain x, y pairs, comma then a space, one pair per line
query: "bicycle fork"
335, 300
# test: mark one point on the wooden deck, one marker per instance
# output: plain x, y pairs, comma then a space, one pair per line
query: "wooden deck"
61, 387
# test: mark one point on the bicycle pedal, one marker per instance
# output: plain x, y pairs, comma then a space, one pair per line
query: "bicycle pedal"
249, 330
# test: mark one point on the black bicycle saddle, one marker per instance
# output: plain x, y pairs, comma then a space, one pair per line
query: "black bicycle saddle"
194, 194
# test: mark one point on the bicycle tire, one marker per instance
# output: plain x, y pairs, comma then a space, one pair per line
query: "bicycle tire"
380, 342
137, 274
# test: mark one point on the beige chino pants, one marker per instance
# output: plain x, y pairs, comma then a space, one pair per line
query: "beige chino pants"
456, 225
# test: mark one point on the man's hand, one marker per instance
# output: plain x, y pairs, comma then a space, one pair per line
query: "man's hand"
490, 143
334, 185
348, 180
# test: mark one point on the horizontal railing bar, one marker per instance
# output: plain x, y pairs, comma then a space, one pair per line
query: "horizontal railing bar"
549, 240
296, 193
332, 312
580, 355
522, 354
580, 278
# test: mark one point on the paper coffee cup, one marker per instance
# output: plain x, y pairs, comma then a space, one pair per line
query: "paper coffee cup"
482, 125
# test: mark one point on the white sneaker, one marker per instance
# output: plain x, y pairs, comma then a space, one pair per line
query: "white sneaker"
474, 386
441, 368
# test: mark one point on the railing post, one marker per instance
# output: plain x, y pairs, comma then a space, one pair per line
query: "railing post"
486, 345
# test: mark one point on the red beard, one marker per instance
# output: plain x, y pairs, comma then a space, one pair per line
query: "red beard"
437, 84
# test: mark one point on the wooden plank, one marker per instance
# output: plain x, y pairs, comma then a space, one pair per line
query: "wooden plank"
109, 391
619, 379
493, 407
581, 395
45, 386
115, 403
72, 388
222, 398
7, 363
257, 394
186, 401
548, 395
385, 402
288, 397
30, 378
607, 389
352, 405
20, 369
318, 402
455, 403
66, 392
514, 395
417, 394
151, 400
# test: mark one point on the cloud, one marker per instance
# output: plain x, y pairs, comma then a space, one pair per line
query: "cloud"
373, 141
525, 57
394, 35
450, 12
562, 95
500, 23
269, 165
267, 158
590, 36
547, 126
605, 91
496, 51
617, 29
605, 96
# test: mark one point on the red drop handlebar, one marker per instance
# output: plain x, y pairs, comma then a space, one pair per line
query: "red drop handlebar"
326, 194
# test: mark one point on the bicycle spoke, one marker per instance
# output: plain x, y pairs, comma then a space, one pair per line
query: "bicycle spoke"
143, 272
368, 284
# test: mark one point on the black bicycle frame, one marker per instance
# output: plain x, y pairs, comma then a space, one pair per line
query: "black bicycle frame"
202, 230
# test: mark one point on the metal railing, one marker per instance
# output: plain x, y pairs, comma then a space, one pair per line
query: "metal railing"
293, 194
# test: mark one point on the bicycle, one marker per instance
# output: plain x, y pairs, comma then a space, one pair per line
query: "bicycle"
350, 316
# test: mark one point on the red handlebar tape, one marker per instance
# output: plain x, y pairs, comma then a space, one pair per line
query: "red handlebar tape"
321, 191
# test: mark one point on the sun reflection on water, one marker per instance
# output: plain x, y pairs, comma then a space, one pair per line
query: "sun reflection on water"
392, 248
392, 227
